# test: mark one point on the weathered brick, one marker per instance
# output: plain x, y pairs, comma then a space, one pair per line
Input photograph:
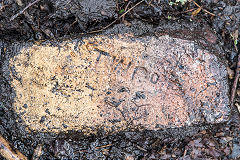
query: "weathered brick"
118, 82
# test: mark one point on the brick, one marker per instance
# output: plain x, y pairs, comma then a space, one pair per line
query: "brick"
118, 82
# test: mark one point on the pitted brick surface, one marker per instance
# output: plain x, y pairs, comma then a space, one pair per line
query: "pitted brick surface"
118, 82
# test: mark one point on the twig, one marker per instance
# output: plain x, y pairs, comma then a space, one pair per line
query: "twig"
24, 9
73, 23
126, 9
140, 148
196, 4
7, 152
234, 87
185, 152
203, 8
150, 2
190, 10
104, 146
100, 30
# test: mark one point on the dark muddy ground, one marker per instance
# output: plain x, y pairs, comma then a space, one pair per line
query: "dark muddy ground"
52, 19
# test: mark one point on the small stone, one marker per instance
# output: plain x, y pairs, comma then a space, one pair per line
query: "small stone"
103, 13
230, 73
203, 132
127, 23
129, 157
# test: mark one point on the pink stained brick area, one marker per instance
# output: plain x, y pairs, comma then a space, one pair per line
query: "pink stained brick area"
173, 84
118, 83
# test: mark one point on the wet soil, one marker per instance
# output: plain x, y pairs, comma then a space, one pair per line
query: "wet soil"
49, 19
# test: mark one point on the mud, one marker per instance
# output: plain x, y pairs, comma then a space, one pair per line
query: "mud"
50, 18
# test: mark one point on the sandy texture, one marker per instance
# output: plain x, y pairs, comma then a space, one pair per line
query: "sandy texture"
118, 82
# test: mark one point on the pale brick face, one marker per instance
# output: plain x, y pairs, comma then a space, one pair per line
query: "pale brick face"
119, 82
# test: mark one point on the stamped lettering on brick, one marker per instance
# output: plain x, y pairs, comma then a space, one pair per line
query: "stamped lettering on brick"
118, 82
